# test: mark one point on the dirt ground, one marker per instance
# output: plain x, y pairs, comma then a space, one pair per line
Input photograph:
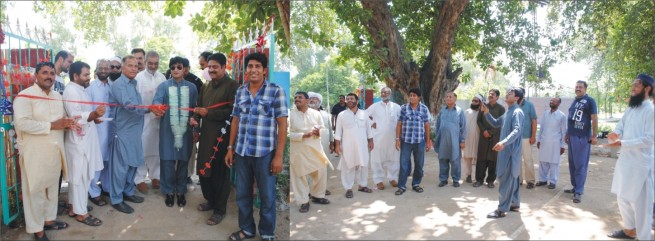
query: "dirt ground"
152, 220
460, 213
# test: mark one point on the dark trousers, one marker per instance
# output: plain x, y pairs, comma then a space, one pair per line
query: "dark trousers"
216, 187
481, 168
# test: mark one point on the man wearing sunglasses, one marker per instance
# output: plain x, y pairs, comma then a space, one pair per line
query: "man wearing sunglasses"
114, 68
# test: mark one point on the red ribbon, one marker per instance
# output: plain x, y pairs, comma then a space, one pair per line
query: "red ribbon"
161, 107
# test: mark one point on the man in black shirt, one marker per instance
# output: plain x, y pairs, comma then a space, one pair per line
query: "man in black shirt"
336, 109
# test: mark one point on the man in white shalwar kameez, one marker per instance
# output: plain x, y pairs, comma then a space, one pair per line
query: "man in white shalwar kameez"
307, 155
146, 84
551, 143
633, 173
470, 151
327, 135
40, 125
353, 140
82, 146
384, 116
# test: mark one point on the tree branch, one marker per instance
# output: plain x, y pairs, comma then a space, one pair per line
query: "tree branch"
284, 8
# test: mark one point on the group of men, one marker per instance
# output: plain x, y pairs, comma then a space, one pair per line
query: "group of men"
132, 122
495, 142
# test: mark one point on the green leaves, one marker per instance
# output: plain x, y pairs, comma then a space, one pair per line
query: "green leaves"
174, 8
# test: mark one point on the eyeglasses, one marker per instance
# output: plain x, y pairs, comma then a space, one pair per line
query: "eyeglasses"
178, 67
115, 66
475, 101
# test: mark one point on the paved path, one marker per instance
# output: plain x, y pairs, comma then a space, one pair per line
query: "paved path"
460, 213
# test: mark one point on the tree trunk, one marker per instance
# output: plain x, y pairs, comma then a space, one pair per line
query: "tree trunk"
436, 76
284, 8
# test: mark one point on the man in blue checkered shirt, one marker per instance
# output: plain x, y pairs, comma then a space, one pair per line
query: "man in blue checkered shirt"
412, 136
259, 126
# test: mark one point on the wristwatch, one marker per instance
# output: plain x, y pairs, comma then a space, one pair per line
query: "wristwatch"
229, 147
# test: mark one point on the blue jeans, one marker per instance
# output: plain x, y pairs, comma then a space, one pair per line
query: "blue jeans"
173, 176
407, 149
447, 164
579, 149
248, 169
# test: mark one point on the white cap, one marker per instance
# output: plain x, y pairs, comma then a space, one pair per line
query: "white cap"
115, 58
317, 95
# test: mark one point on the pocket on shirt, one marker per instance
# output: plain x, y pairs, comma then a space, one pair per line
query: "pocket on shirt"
361, 123
264, 107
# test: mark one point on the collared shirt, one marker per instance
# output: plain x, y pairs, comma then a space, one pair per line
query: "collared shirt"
257, 133
551, 136
99, 92
59, 85
579, 121
167, 148
127, 127
413, 122
450, 130
530, 114
146, 85
511, 123
336, 109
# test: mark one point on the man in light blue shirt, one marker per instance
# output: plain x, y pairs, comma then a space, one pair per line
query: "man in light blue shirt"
98, 91
450, 131
529, 138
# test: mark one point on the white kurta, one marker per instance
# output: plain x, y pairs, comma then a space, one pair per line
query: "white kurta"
353, 131
327, 135
551, 136
41, 154
307, 155
384, 155
82, 152
472, 134
146, 85
635, 162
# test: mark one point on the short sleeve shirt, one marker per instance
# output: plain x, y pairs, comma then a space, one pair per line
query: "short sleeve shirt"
530, 114
579, 119
413, 121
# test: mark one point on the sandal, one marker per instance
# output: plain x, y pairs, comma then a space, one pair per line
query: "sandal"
380, 186
215, 219
42, 238
237, 236
204, 207
365, 189
57, 225
320, 200
304, 208
98, 201
619, 234
91, 221
400, 191
349, 194
417, 188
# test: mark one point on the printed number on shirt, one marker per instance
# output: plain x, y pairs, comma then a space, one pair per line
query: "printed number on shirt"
577, 116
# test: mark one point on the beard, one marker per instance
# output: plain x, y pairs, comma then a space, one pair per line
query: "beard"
114, 76
475, 107
553, 106
386, 98
313, 105
635, 101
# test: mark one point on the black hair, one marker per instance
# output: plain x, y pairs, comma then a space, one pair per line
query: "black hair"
302, 93
138, 50
76, 68
175, 60
582, 82
495, 91
342, 96
205, 55
416, 91
185, 62
517, 92
259, 57
62, 54
353, 94
218, 57
42, 64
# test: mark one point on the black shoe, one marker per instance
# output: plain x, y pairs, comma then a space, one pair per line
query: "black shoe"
181, 200
170, 199
577, 198
304, 207
456, 184
42, 238
551, 186
491, 185
530, 185
539, 184
133, 198
496, 214
477, 184
189, 181
572, 190
514, 208
443, 183
468, 179
123, 207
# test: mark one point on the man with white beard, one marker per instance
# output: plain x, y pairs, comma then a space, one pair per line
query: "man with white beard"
327, 136
384, 115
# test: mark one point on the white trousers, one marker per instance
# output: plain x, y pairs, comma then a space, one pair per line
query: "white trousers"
638, 214
39, 206
527, 165
301, 187
77, 197
468, 167
150, 169
381, 161
548, 172
192, 161
350, 176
